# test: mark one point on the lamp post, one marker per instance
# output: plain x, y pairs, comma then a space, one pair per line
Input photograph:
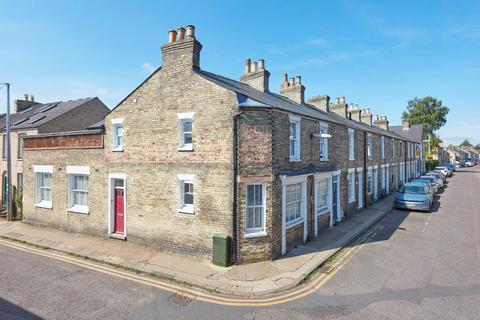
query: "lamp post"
8, 185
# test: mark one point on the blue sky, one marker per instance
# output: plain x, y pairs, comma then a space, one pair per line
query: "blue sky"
378, 54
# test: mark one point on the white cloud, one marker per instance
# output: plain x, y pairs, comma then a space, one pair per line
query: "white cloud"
148, 67
317, 42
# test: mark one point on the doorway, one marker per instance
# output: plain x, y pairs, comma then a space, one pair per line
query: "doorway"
117, 226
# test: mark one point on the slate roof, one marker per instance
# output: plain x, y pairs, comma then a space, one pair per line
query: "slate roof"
414, 133
249, 97
39, 114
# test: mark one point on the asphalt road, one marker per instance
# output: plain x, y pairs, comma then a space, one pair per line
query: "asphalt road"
413, 266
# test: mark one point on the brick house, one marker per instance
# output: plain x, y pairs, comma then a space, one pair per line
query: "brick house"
31, 117
190, 154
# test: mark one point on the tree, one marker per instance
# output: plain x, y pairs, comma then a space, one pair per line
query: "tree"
428, 111
466, 143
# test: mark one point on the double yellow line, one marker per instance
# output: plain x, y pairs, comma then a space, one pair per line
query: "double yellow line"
196, 294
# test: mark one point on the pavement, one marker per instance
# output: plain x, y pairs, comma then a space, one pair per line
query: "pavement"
248, 280
409, 265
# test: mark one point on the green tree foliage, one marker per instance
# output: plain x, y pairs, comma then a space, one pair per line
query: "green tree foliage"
435, 142
466, 143
428, 111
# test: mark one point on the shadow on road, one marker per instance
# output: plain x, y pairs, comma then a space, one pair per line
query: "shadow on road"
11, 311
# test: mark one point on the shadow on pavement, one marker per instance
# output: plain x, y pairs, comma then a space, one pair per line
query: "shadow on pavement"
11, 311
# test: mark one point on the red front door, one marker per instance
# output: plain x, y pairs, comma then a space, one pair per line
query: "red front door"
119, 212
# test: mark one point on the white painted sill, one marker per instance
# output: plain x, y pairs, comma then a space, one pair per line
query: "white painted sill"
255, 234
324, 159
351, 159
187, 147
44, 204
295, 160
188, 210
350, 201
79, 209
119, 149
323, 212
293, 223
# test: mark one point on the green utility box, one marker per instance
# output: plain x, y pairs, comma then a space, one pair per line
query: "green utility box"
221, 250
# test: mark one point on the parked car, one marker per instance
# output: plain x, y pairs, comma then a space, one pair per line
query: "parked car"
443, 170
468, 163
428, 184
457, 164
432, 181
414, 196
437, 176
451, 166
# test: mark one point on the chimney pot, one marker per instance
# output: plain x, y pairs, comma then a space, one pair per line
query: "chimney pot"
181, 33
32, 98
26, 97
190, 32
285, 77
292, 81
172, 36
298, 80
247, 65
261, 64
254, 66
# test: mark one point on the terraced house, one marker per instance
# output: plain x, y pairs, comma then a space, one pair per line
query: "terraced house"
190, 154
31, 117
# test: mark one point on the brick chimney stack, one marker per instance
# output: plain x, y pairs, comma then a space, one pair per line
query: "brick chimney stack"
381, 122
320, 102
366, 117
256, 75
182, 52
354, 112
293, 89
21, 105
339, 107
406, 123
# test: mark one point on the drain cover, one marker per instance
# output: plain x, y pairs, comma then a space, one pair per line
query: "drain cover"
181, 298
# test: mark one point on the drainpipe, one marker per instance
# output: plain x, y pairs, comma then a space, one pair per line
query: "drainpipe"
235, 244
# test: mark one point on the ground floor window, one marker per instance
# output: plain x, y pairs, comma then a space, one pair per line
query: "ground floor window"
351, 187
255, 218
43, 188
78, 195
293, 204
321, 195
369, 181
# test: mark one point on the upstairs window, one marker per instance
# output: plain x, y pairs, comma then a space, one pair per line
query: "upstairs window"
369, 147
294, 138
383, 147
185, 131
117, 134
324, 141
351, 144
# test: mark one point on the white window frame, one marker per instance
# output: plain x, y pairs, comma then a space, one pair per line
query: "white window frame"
370, 146
326, 208
351, 144
297, 141
259, 231
360, 178
351, 185
370, 174
43, 169
182, 118
393, 148
182, 180
73, 171
382, 138
117, 123
323, 141
287, 181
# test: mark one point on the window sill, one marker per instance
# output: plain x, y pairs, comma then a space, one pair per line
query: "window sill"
294, 160
351, 159
44, 204
187, 210
293, 223
185, 148
324, 211
255, 234
117, 149
324, 159
350, 201
79, 209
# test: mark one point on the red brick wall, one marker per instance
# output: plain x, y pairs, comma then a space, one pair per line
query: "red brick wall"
65, 142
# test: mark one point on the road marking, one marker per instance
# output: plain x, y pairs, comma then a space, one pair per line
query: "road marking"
426, 223
205, 296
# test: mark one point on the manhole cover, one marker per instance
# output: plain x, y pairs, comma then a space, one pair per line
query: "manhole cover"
181, 298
